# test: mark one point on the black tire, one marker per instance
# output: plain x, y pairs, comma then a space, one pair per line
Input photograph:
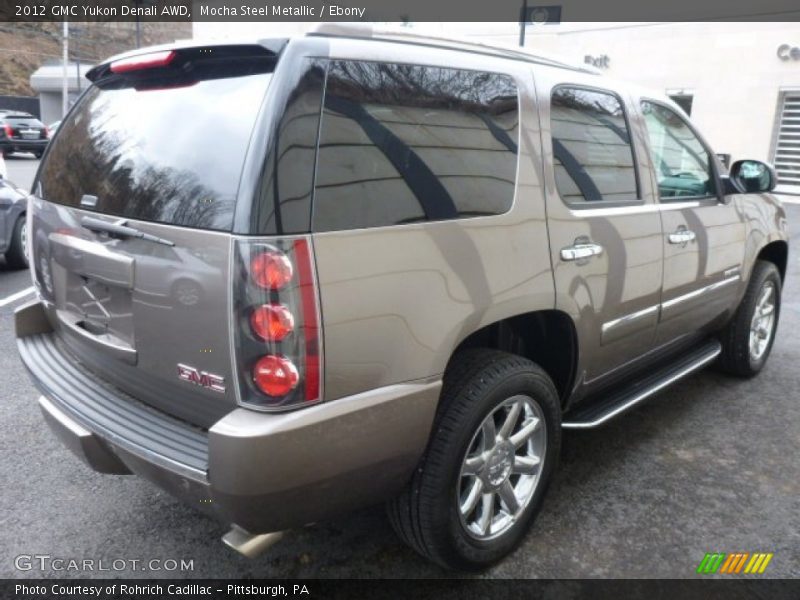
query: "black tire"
38, 155
425, 515
736, 358
15, 255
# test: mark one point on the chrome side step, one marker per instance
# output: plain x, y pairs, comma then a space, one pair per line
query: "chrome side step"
619, 402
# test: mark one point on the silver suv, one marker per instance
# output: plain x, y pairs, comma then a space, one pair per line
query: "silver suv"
290, 278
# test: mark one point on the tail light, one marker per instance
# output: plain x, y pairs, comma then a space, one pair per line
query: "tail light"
46, 132
278, 341
8, 130
152, 60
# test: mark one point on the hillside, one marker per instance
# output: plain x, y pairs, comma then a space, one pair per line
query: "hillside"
24, 47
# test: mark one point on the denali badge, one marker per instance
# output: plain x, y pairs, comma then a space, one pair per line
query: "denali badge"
201, 378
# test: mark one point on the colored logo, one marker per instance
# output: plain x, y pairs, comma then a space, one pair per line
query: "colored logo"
734, 563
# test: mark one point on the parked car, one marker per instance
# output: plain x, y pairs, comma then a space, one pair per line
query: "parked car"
420, 261
13, 228
22, 132
3, 168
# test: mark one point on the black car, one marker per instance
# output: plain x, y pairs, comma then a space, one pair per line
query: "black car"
13, 228
22, 132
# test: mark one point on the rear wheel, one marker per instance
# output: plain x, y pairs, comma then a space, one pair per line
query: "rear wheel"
487, 466
38, 154
747, 340
16, 255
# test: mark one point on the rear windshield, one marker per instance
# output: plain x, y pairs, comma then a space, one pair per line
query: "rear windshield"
30, 121
168, 154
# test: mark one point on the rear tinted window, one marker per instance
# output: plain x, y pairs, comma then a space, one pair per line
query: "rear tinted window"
592, 152
172, 154
402, 144
29, 121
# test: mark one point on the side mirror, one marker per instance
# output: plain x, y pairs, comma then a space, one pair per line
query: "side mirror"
753, 176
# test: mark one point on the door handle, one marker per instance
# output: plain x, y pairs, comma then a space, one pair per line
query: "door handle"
581, 250
682, 236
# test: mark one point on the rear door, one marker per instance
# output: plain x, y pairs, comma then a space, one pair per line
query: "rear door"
704, 234
605, 233
158, 150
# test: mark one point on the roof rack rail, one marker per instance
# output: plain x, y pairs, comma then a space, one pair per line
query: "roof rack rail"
366, 31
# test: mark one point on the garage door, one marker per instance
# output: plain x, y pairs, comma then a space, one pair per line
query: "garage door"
787, 146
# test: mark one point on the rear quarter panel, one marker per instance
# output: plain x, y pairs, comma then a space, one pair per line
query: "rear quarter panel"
396, 301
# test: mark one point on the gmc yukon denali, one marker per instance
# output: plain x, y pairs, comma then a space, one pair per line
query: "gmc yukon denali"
287, 278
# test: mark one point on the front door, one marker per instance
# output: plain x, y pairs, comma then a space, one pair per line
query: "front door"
703, 234
605, 230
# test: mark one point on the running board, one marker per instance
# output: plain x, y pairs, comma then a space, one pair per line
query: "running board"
621, 401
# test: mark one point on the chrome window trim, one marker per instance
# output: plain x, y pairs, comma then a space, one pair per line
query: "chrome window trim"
613, 211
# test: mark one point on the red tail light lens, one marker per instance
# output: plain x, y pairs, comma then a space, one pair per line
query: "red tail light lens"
275, 375
153, 60
272, 322
308, 298
278, 337
8, 130
271, 270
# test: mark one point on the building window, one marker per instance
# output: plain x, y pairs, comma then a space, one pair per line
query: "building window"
405, 143
592, 151
684, 101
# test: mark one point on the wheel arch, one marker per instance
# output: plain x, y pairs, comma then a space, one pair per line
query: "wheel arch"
776, 252
547, 337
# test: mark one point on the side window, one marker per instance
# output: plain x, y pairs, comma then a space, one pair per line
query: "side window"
403, 143
682, 164
592, 152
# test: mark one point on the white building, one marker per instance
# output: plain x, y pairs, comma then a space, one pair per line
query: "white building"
740, 82
48, 81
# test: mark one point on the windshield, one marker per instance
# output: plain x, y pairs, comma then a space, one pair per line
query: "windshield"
170, 154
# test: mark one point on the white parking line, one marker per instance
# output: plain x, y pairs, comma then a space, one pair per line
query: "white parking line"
16, 296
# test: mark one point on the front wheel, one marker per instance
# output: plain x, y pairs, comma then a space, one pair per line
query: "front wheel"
747, 340
484, 474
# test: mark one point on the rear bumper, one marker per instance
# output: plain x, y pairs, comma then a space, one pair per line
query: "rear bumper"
263, 472
12, 145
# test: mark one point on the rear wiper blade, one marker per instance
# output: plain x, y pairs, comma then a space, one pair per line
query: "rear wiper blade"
119, 230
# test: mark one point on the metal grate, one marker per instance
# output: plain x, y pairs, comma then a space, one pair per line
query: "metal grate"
787, 147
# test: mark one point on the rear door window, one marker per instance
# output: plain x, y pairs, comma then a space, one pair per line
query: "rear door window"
17, 121
406, 143
170, 153
592, 152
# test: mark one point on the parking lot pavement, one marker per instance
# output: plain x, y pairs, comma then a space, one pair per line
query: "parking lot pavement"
711, 465
22, 169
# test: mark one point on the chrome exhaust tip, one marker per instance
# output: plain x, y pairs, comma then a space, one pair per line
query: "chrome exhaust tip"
248, 544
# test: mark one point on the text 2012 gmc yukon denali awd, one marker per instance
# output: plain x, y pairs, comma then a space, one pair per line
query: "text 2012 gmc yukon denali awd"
289, 278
